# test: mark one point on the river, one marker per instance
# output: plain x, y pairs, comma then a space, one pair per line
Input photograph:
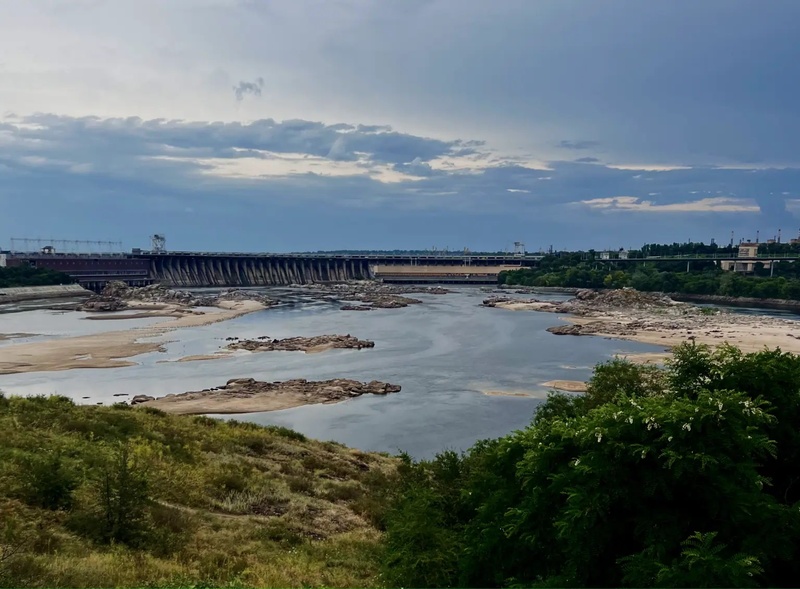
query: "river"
446, 354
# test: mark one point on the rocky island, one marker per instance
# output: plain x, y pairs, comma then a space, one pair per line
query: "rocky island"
247, 395
316, 343
369, 295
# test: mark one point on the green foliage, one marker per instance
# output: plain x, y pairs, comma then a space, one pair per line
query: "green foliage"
618, 377
123, 499
702, 563
656, 477
28, 276
47, 482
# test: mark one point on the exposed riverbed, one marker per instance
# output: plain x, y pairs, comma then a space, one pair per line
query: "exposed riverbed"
448, 354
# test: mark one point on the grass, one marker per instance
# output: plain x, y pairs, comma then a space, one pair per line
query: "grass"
222, 504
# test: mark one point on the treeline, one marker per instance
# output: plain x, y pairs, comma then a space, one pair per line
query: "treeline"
687, 476
703, 278
685, 249
28, 276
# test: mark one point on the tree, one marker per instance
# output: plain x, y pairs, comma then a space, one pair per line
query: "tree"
124, 499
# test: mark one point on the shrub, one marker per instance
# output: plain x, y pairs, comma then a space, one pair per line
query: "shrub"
47, 482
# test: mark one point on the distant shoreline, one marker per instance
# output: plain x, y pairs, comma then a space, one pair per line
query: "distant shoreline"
777, 304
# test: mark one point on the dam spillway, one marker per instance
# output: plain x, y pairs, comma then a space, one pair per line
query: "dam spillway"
230, 270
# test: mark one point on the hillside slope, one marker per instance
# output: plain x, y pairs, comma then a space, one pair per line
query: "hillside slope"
117, 496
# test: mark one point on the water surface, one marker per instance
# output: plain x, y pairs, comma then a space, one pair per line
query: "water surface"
446, 354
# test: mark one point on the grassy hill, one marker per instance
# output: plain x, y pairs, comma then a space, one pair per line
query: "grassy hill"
119, 496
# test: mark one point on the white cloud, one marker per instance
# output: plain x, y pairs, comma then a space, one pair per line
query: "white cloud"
705, 205
648, 167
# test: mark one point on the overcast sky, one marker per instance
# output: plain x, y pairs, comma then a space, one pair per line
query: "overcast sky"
288, 125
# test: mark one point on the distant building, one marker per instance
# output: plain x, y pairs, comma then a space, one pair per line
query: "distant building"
620, 254
746, 262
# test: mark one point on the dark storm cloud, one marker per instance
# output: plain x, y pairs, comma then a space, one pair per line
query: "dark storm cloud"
133, 135
243, 88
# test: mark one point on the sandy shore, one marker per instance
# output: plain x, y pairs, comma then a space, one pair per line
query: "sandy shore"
655, 319
749, 333
570, 386
110, 350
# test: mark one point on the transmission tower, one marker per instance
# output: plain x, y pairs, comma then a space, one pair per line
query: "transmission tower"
158, 243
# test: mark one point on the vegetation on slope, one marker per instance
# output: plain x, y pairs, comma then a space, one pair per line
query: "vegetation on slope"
27, 276
575, 270
687, 476
131, 497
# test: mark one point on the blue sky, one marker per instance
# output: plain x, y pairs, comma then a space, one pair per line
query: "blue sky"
331, 124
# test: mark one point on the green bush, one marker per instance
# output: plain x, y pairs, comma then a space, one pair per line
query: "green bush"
46, 482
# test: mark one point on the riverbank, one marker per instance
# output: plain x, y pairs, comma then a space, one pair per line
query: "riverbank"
34, 293
112, 349
654, 318
745, 302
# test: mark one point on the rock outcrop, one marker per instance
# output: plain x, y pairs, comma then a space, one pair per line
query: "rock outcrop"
117, 296
569, 330
301, 344
246, 395
364, 296
589, 302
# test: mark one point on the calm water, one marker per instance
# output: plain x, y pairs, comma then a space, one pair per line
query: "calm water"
445, 353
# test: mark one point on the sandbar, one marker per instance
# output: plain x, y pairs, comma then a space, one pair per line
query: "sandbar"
571, 386
8, 336
110, 349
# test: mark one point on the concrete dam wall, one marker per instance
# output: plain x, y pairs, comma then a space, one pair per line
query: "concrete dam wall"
206, 270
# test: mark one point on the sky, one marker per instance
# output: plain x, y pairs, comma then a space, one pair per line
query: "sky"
304, 125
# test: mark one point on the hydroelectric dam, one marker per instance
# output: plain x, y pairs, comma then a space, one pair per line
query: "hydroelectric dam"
222, 269
192, 269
